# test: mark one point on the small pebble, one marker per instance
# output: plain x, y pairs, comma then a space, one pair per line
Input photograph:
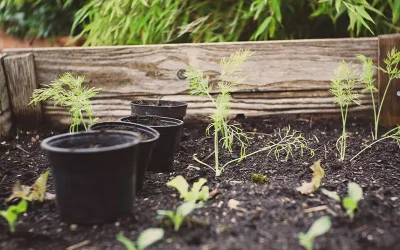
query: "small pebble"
73, 227
117, 224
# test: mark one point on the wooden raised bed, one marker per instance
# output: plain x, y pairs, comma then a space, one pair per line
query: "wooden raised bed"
285, 77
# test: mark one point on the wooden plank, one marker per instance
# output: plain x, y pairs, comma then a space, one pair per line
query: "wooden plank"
288, 74
21, 78
390, 114
5, 109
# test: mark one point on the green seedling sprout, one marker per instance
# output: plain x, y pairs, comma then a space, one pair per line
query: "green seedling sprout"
12, 212
68, 91
343, 82
259, 178
178, 217
318, 228
355, 194
391, 61
350, 203
231, 68
145, 239
197, 193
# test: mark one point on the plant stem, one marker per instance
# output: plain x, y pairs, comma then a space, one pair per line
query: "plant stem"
380, 107
343, 139
374, 108
217, 169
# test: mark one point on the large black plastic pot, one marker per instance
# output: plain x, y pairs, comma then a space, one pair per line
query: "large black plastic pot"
146, 145
93, 174
162, 108
170, 133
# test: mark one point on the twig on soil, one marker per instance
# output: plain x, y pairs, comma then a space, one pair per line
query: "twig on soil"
20, 148
79, 245
3, 179
315, 209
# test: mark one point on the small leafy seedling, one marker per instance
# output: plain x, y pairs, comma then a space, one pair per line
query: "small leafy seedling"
36, 192
197, 193
318, 228
355, 194
145, 239
178, 217
318, 174
259, 178
12, 212
68, 91
350, 203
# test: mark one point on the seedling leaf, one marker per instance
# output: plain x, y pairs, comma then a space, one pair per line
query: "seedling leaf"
149, 237
331, 194
11, 214
129, 245
181, 212
355, 194
318, 174
318, 228
180, 184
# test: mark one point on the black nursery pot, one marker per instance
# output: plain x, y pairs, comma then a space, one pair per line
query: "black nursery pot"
93, 174
162, 108
170, 134
146, 145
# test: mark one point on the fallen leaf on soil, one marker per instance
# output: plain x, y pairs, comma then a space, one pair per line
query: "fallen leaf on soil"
36, 192
213, 193
318, 174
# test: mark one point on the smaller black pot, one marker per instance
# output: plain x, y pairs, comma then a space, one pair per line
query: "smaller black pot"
162, 108
93, 174
170, 135
146, 145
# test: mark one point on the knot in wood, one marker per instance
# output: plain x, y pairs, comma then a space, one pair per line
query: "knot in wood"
181, 74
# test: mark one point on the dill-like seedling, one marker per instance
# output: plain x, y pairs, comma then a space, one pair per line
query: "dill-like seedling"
231, 68
344, 79
68, 91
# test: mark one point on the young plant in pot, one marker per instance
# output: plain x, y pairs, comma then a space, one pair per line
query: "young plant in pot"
93, 172
170, 132
146, 145
159, 107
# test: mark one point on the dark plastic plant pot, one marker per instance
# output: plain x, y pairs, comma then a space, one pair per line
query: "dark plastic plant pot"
162, 108
93, 174
146, 145
170, 133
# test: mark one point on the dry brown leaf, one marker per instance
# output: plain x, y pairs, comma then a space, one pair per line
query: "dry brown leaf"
213, 193
318, 174
234, 204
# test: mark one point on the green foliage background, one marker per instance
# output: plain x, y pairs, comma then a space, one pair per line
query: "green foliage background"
123, 22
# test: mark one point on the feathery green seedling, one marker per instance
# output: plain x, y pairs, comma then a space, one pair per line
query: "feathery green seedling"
145, 239
231, 67
350, 203
178, 217
12, 212
68, 91
391, 61
344, 79
318, 228
197, 193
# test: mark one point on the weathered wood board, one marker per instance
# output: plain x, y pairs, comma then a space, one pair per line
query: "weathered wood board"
283, 76
5, 109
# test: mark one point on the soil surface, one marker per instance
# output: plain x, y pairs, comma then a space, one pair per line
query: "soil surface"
269, 215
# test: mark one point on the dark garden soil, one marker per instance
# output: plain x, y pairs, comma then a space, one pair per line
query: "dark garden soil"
269, 215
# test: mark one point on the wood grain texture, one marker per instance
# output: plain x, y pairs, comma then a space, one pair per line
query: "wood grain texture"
21, 78
283, 76
390, 114
5, 109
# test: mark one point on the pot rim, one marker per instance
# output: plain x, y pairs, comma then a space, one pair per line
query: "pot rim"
178, 104
176, 122
151, 130
45, 144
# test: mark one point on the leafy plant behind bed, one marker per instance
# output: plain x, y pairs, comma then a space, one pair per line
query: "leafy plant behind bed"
68, 91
